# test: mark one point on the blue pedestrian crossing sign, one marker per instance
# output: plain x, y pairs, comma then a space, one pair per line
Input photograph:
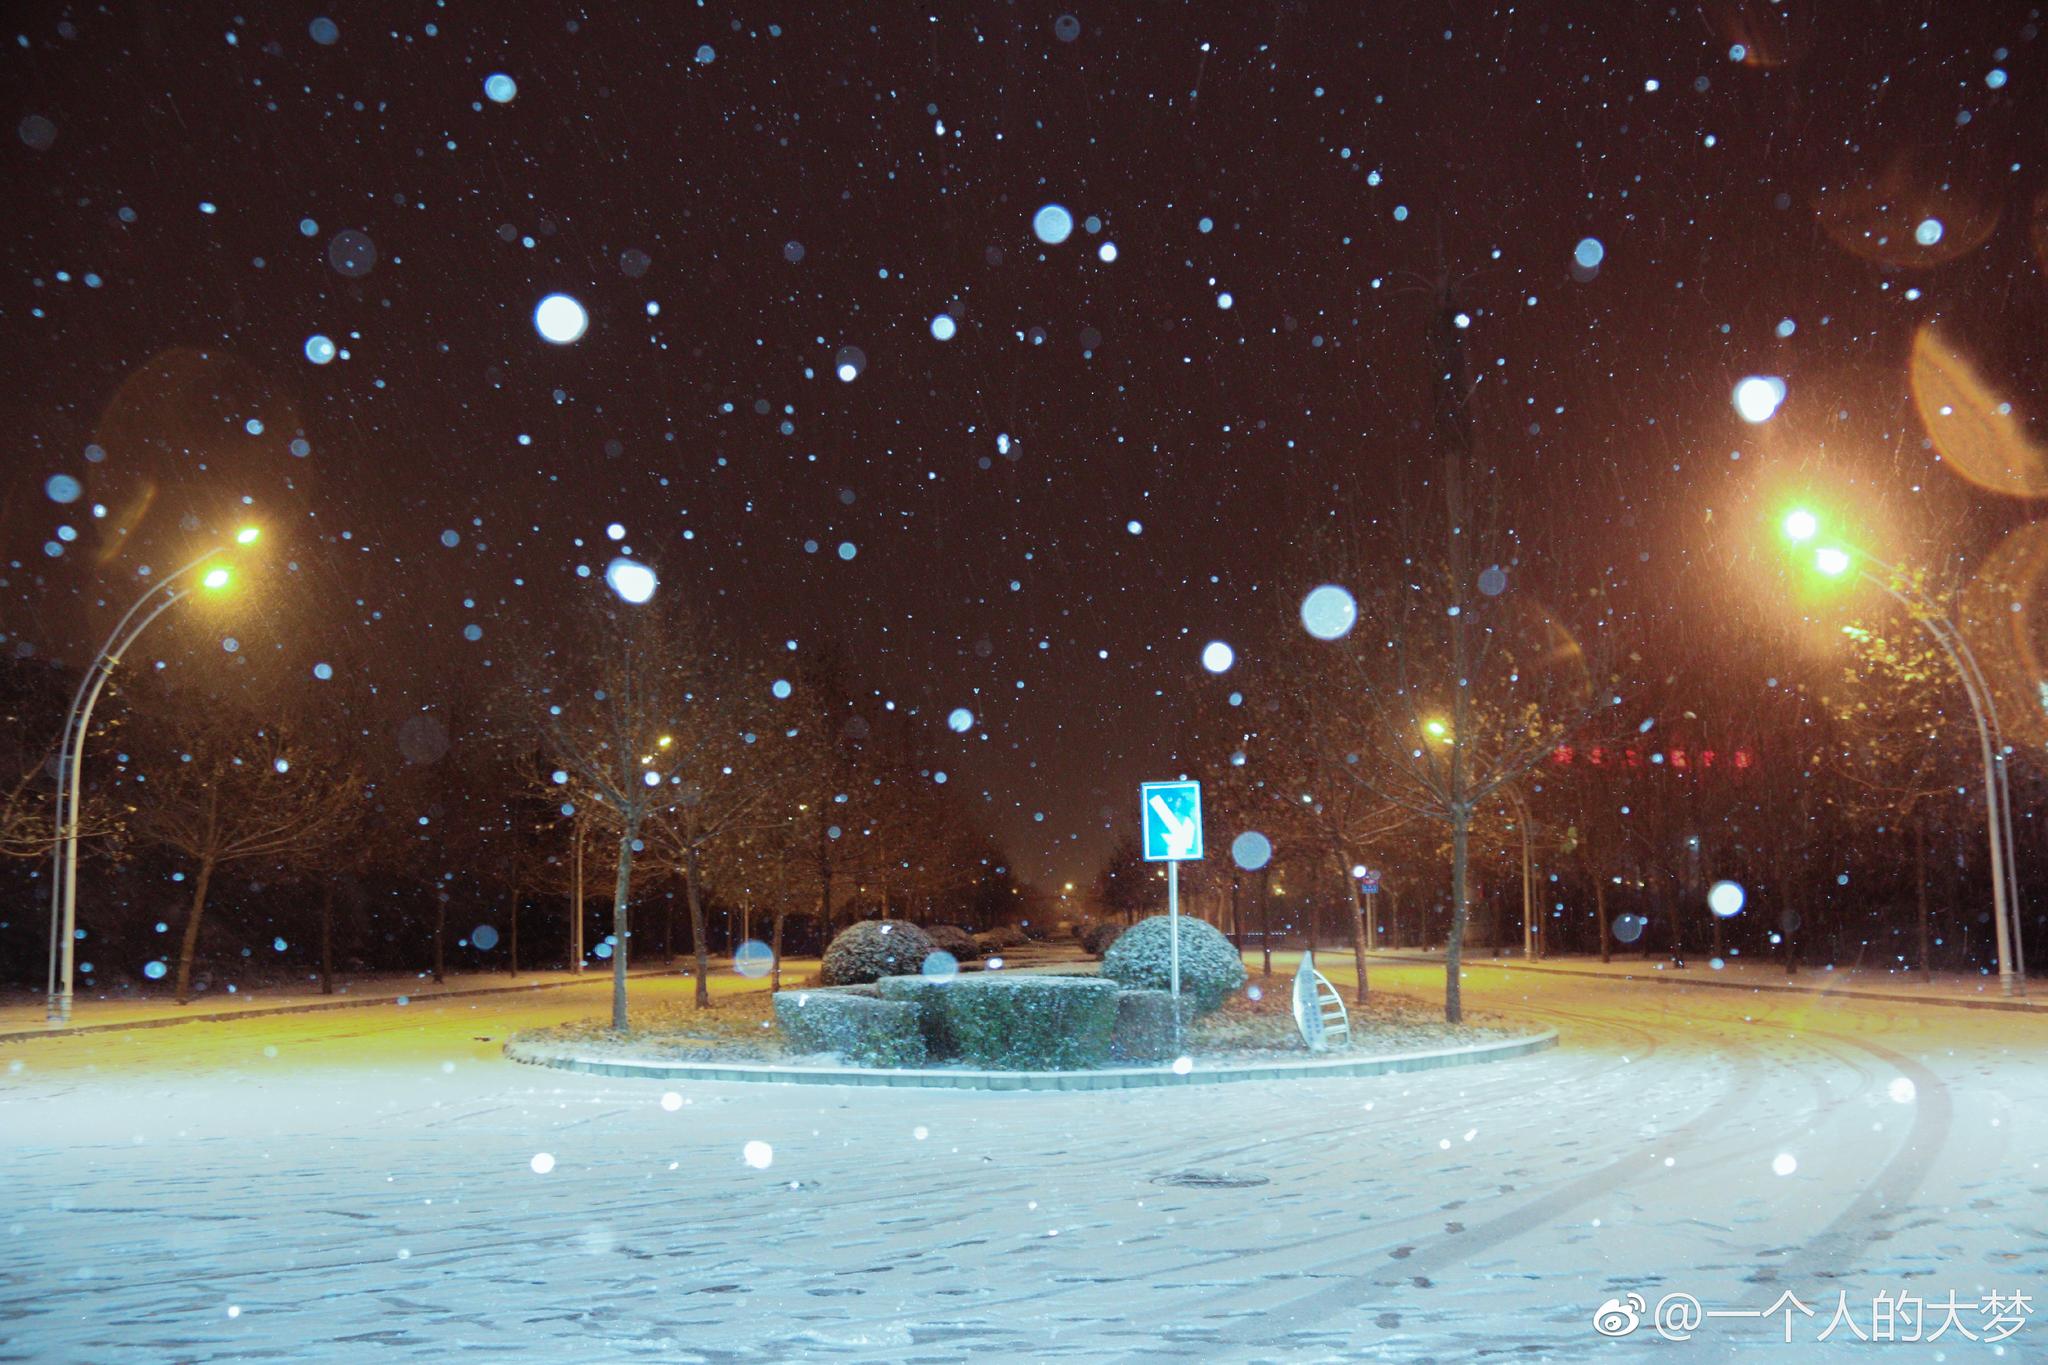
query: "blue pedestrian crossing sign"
1171, 813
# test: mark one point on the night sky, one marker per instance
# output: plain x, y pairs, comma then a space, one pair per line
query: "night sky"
1104, 467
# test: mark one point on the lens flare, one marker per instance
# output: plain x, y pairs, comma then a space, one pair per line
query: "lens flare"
1980, 435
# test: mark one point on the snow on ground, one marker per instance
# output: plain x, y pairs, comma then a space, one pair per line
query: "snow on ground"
362, 1185
26, 1011
1740, 973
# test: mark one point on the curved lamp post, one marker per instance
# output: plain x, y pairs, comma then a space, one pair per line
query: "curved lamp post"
1837, 560
162, 595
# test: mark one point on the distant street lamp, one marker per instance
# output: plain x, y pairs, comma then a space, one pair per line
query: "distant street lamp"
1799, 526
162, 595
1522, 820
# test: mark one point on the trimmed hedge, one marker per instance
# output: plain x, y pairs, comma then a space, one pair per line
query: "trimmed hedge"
927, 995
856, 1024
872, 949
1210, 969
1030, 1023
1144, 1027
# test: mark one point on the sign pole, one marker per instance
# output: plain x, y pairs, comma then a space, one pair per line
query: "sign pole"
1173, 935
1170, 821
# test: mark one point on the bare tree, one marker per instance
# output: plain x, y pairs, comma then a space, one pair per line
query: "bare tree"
1455, 680
224, 789
634, 709
731, 765
32, 708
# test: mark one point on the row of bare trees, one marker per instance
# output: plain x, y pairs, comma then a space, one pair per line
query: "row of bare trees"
697, 763
1474, 705
640, 748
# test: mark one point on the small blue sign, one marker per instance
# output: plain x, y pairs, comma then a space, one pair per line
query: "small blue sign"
1171, 815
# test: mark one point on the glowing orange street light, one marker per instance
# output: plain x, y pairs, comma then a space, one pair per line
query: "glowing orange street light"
163, 594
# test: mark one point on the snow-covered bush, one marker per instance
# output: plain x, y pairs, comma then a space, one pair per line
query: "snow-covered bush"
856, 1024
951, 938
928, 995
1002, 937
874, 948
1098, 935
1030, 1023
1210, 968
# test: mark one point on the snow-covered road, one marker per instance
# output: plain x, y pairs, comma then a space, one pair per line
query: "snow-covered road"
361, 1186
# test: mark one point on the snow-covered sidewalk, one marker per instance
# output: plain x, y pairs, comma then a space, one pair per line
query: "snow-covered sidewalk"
24, 1013
1866, 983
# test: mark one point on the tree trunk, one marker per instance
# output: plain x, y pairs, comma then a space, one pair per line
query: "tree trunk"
1454, 945
190, 945
1393, 918
697, 930
440, 935
576, 908
1236, 916
775, 948
327, 937
1920, 894
620, 888
1357, 929
1266, 915
1600, 912
512, 938
1793, 926
668, 926
824, 880
1308, 910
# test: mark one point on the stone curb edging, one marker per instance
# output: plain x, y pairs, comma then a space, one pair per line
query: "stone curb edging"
1117, 1078
354, 1002
1675, 979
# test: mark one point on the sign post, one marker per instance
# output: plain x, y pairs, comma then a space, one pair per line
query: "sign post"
1370, 885
1170, 814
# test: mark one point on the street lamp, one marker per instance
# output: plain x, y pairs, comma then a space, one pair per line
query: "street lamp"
1837, 560
1515, 798
1832, 560
162, 595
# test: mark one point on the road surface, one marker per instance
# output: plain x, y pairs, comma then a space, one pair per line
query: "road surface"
363, 1186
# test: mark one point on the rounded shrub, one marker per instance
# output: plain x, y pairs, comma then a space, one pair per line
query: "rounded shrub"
953, 939
874, 948
1210, 969
1098, 935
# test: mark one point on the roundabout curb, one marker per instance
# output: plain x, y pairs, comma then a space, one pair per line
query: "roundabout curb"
1109, 1078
